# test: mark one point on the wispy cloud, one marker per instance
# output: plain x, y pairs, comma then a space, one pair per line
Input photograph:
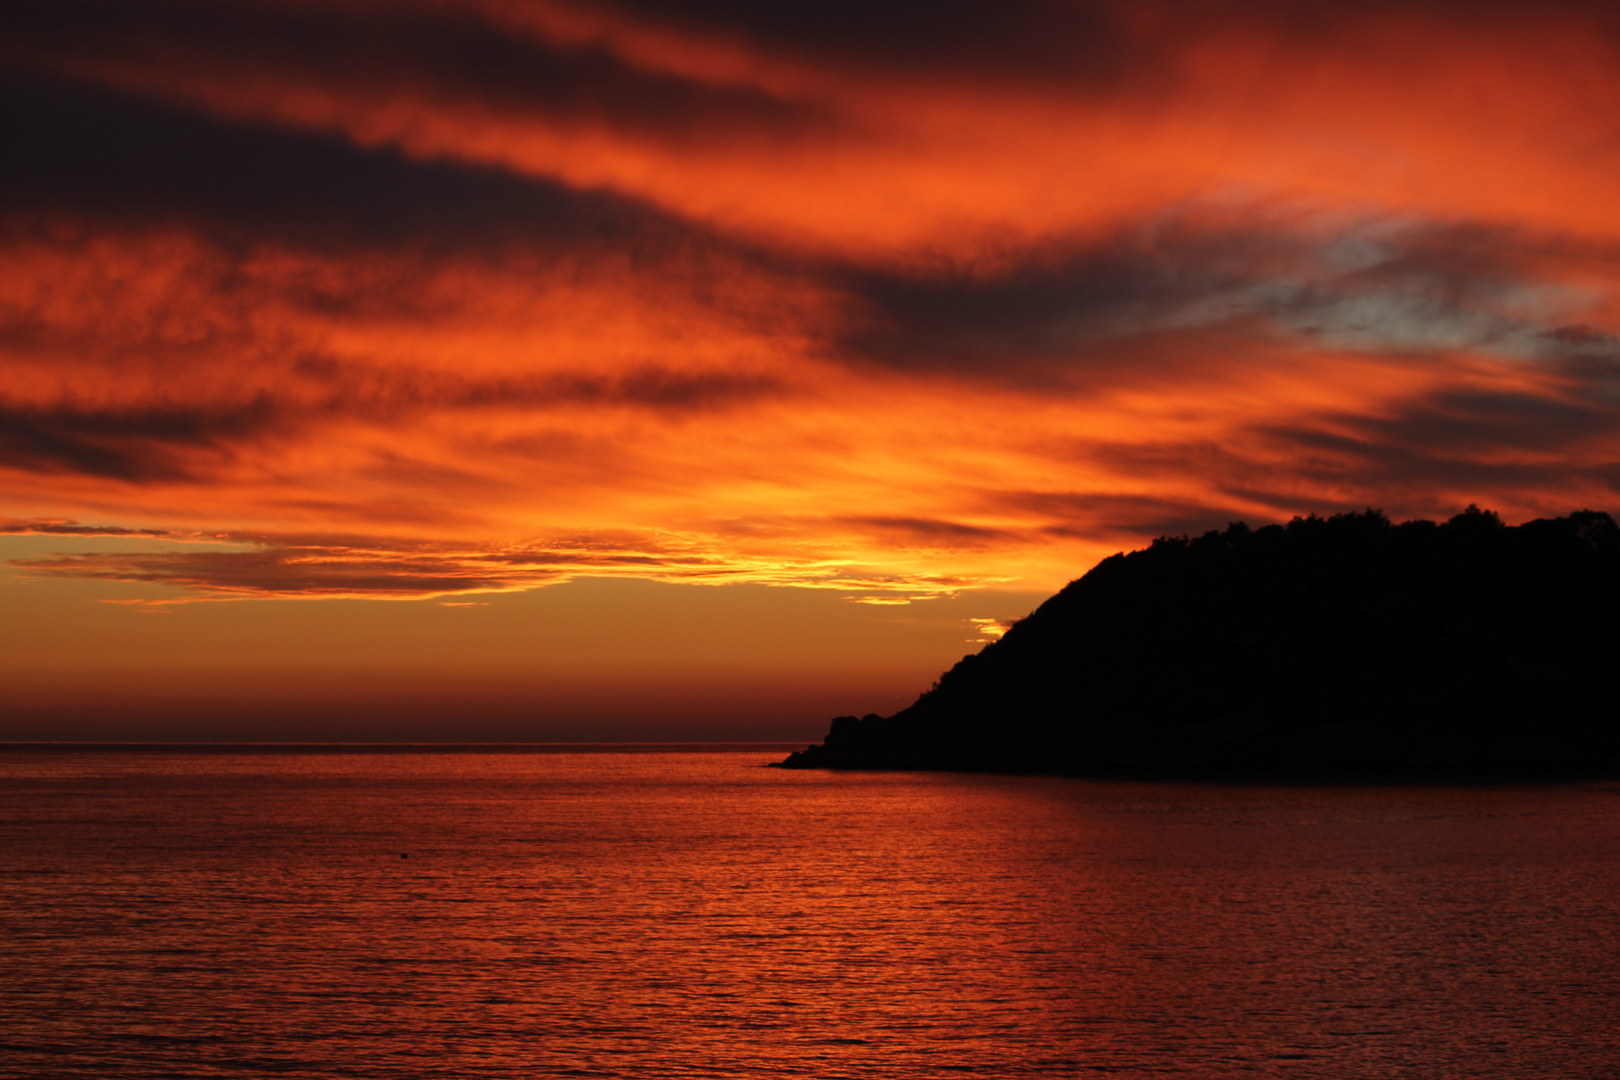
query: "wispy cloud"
73, 528
888, 300
358, 567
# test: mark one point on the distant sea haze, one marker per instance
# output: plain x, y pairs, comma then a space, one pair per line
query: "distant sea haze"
683, 911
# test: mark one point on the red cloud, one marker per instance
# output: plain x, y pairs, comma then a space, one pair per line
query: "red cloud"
755, 302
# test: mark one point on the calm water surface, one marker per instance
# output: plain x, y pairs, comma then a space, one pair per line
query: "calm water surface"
668, 914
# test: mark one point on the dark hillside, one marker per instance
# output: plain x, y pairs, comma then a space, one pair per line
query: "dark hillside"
1340, 645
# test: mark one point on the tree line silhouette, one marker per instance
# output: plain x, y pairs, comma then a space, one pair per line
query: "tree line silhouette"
1327, 646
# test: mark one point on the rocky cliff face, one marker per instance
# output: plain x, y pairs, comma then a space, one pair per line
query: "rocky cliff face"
1347, 645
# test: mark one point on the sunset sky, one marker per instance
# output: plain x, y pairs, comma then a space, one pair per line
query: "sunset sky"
537, 369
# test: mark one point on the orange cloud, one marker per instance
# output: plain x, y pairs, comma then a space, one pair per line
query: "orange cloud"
521, 292
1036, 121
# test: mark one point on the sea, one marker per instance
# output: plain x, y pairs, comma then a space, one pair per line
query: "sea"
684, 911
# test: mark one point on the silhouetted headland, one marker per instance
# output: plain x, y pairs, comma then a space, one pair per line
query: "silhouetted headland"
1345, 646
